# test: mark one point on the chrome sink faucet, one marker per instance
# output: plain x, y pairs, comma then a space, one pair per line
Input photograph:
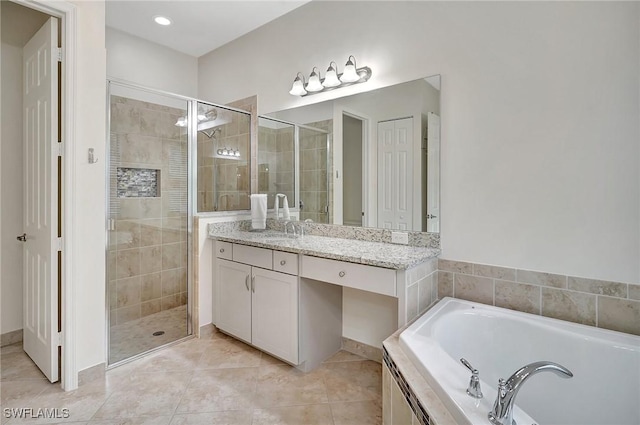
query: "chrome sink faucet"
502, 413
296, 229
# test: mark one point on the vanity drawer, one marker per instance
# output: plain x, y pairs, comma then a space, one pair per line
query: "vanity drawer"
285, 262
259, 257
224, 250
359, 276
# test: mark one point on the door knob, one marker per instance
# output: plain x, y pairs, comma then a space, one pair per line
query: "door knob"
22, 237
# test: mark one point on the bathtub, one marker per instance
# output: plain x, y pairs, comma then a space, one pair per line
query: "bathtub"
605, 389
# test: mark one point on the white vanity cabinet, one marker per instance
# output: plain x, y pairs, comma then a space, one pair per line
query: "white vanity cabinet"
257, 305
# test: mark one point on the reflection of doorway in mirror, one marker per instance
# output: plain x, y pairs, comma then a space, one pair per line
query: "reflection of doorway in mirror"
352, 166
395, 174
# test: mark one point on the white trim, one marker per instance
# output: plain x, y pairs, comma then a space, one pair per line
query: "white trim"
67, 13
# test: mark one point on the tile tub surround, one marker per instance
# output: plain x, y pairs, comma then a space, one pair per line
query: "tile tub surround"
213, 380
369, 234
604, 304
407, 398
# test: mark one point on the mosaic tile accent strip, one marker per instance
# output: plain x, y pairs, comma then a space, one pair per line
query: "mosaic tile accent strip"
407, 392
138, 182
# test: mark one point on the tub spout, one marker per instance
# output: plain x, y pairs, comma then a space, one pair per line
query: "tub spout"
502, 413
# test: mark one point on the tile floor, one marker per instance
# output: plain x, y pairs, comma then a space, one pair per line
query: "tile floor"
209, 381
136, 336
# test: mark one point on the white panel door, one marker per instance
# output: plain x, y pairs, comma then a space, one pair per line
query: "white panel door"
275, 313
40, 249
433, 173
395, 174
233, 299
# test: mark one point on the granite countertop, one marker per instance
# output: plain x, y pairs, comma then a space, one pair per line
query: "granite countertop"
378, 254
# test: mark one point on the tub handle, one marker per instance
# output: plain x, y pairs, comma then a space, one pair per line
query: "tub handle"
474, 389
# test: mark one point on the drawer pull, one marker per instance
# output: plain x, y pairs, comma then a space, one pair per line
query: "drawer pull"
283, 262
341, 274
221, 250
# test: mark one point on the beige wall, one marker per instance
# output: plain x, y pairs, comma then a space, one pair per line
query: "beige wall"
540, 168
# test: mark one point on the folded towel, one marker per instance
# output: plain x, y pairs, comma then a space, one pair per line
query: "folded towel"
258, 211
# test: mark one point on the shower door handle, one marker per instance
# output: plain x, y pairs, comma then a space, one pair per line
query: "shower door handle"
253, 284
246, 282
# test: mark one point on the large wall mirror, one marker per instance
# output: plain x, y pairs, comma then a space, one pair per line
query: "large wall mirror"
370, 159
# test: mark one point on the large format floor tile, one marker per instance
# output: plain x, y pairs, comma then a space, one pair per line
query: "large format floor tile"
215, 380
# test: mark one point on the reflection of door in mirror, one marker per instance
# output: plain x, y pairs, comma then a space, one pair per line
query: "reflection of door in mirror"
432, 197
396, 207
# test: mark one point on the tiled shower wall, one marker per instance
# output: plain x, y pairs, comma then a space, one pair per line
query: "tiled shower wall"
276, 163
147, 255
605, 304
314, 189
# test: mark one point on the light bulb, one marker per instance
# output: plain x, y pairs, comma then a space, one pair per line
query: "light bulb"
314, 82
350, 75
331, 77
297, 89
162, 20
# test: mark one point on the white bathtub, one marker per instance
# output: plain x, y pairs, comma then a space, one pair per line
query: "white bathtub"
605, 389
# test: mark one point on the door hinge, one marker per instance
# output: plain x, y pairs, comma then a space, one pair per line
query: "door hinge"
59, 244
60, 149
60, 339
59, 53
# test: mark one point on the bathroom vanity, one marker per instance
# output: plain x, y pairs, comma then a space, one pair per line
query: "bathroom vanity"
283, 295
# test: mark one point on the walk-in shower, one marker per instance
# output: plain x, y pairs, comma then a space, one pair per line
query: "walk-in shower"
156, 142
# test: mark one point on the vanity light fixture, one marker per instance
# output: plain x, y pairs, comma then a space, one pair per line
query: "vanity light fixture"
332, 80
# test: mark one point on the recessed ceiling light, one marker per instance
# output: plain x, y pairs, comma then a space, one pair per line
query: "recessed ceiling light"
162, 20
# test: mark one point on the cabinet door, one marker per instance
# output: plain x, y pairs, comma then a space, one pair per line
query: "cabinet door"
275, 314
233, 299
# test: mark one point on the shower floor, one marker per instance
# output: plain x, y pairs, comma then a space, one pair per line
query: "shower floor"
136, 336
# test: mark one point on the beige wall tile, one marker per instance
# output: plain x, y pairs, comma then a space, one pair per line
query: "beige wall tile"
150, 307
171, 282
600, 287
518, 296
619, 315
400, 410
425, 288
128, 263
566, 305
473, 288
128, 292
127, 314
634, 292
540, 278
455, 266
150, 259
170, 301
150, 232
171, 256
412, 301
494, 272
445, 284
387, 380
150, 286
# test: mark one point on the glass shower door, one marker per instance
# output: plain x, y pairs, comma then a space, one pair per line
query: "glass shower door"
148, 221
314, 165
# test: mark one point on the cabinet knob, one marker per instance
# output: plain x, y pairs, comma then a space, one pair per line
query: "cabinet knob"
221, 250
283, 262
341, 274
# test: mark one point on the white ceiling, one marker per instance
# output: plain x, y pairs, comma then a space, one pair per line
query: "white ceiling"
198, 26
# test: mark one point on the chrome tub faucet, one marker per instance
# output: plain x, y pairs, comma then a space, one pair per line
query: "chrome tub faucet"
502, 413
